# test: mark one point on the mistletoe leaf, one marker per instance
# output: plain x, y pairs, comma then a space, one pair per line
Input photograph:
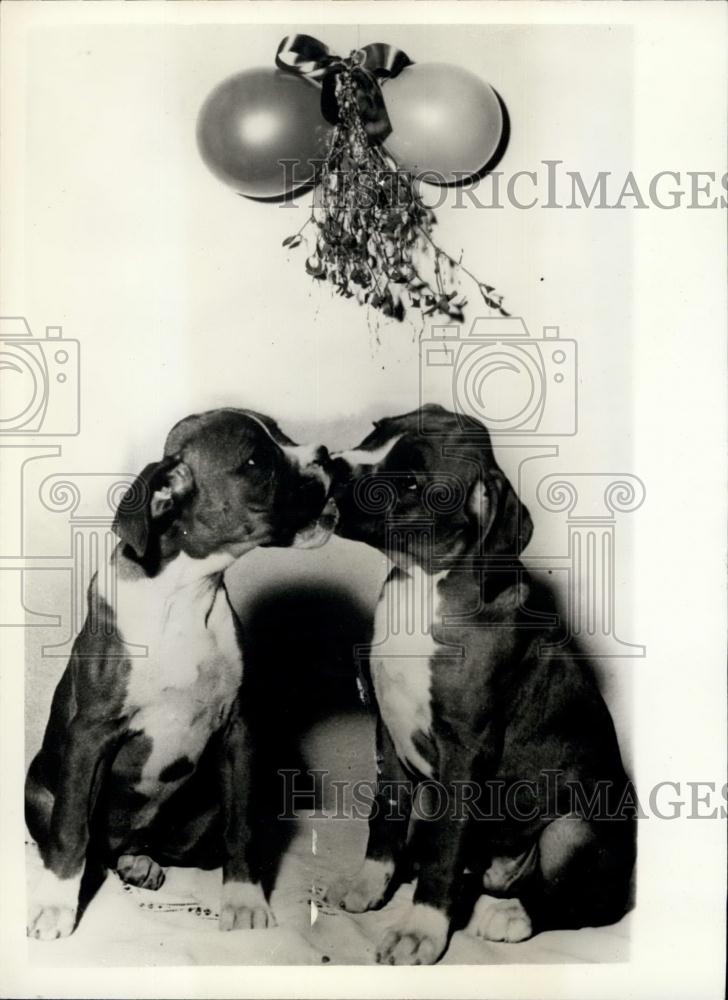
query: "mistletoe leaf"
314, 267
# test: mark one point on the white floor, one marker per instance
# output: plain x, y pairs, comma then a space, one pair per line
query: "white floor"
177, 925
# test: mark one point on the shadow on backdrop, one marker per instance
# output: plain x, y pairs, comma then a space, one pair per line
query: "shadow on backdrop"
300, 670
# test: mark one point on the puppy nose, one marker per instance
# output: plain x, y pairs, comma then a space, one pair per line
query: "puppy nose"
321, 456
340, 470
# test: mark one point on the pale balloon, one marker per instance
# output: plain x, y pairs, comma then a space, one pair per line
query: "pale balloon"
444, 119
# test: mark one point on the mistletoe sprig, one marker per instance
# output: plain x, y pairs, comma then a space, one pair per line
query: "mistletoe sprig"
372, 231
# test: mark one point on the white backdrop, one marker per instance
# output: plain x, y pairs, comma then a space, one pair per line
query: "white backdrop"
115, 231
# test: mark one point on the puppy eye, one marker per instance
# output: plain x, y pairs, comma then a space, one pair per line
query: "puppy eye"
253, 462
410, 484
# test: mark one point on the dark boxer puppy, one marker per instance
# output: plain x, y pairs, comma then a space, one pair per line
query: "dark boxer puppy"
146, 758
476, 694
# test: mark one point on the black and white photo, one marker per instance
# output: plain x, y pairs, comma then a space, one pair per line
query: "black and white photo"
362, 401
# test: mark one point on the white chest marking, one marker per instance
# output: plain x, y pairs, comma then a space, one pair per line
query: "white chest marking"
183, 689
402, 650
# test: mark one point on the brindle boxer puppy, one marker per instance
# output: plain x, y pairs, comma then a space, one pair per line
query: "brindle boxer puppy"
146, 759
476, 690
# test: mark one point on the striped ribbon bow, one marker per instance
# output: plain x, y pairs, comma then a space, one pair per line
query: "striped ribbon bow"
308, 57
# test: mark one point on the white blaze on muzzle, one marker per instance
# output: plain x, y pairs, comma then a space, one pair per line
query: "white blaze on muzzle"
358, 457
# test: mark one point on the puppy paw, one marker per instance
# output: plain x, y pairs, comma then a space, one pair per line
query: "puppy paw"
418, 938
53, 910
499, 920
50, 922
140, 870
365, 891
244, 907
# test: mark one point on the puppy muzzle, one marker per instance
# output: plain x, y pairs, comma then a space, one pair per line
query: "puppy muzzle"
311, 505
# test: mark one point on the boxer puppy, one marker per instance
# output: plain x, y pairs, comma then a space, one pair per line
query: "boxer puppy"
146, 757
477, 692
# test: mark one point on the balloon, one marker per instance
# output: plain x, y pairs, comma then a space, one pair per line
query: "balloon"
254, 120
444, 119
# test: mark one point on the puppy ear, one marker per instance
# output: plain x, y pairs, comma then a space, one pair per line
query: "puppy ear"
505, 526
158, 489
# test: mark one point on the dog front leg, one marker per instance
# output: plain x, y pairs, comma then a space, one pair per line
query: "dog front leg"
420, 936
243, 903
85, 754
388, 825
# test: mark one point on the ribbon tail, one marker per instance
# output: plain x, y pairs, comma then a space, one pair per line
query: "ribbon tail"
372, 110
380, 62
